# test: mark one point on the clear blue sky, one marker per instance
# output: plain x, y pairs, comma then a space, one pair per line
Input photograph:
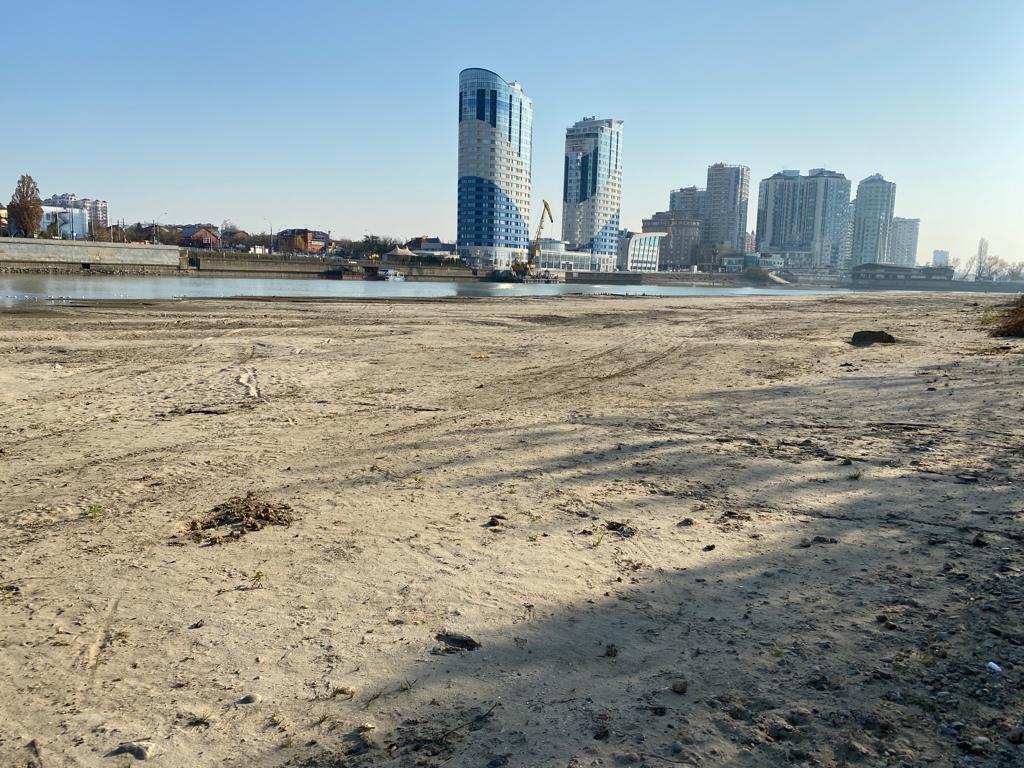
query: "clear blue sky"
341, 115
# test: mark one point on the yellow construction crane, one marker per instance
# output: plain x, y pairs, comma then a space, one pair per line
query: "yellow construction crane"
535, 245
521, 270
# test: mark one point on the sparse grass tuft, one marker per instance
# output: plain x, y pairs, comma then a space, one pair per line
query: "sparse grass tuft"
111, 637
95, 511
922, 657
197, 721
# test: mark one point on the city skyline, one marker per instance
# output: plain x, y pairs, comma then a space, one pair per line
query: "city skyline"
378, 159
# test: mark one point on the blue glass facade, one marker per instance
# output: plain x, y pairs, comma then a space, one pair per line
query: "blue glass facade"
495, 143
592, 186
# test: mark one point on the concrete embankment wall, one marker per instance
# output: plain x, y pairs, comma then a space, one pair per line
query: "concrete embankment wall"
24, 254
703, 279
962, 286
219, 265
432, 272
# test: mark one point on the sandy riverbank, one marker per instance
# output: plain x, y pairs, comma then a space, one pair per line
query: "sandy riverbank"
701, 532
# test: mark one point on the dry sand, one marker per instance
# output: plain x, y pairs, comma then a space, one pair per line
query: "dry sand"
703, 532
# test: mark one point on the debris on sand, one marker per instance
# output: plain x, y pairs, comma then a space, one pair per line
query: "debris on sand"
625, 531
454, 642
867, 338
240, 515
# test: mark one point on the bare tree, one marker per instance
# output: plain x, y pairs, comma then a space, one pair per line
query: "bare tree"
25, 211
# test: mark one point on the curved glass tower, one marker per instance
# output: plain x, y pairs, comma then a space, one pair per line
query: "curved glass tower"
495, 141
592, 187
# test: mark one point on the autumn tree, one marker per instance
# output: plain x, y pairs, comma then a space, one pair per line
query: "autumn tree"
25, 211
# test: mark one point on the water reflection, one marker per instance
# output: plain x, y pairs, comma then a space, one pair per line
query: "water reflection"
26, 289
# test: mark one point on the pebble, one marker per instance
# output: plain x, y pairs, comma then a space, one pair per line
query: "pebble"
686, 522
709, 547
677, 747
140, 750
250, 698
680, 687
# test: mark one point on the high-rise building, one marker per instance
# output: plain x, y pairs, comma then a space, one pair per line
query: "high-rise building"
903, 241
592, 186
691, 201
872, 220
681, 241
846, 245
728, 191
495, 142
803, 219
97, 209
940, 258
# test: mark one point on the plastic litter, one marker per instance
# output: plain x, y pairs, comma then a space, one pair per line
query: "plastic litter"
994, 667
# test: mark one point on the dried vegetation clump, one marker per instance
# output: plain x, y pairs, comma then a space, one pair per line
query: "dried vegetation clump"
1012, 321
238, 516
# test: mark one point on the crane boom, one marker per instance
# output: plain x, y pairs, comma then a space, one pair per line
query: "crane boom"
535, 245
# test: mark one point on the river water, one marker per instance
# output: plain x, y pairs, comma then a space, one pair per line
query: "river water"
24, 289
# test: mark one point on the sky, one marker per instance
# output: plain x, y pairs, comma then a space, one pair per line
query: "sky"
341, 115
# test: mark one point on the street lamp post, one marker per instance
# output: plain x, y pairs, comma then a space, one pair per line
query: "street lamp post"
156, 224
271, 247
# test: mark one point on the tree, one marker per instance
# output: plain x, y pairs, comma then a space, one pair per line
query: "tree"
370, 244
297, 244
100, 233
25, 211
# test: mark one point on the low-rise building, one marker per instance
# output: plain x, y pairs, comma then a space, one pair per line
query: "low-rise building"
432, 246
302, 240
555, 254
67, 223
200, 236
940, 258
642, 252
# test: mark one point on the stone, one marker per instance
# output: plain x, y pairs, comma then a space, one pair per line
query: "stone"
867, 338
686, 522
677, 747
456, 641
680, 686
250, 698
140, 750
778, 730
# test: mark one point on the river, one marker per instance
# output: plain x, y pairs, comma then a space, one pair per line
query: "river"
21, 289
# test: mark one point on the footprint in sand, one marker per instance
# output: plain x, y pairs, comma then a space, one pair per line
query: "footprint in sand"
249, 381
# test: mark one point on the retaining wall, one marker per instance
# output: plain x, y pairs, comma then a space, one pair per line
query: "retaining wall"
27, 253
